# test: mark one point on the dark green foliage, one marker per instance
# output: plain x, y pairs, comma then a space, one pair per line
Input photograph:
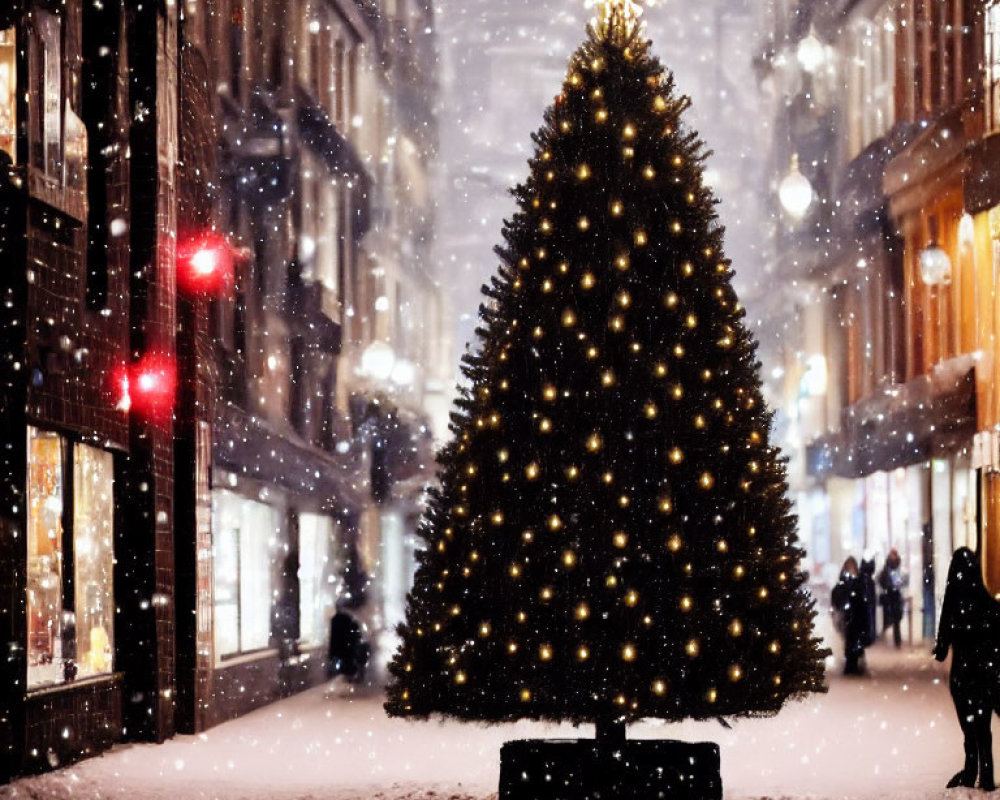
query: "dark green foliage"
611, 536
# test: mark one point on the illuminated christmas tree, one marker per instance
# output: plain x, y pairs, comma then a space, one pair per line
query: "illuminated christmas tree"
611, 539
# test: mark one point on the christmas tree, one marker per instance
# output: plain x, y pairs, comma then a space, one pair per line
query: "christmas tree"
611, 538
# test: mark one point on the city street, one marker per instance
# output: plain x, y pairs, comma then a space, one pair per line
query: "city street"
526, 360
890, 736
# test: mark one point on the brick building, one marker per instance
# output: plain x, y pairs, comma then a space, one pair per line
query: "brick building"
88, 289
193, 478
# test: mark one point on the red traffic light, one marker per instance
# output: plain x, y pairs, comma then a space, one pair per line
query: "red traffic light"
205, 264
147, 387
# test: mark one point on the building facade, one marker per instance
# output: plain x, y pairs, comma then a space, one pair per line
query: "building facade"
216, 225
890, 367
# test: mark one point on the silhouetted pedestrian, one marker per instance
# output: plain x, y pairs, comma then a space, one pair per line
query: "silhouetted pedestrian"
891, 582
848, 600
970, 627
349, 652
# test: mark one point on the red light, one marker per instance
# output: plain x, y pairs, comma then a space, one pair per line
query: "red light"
205, 262
147, 387
205, 265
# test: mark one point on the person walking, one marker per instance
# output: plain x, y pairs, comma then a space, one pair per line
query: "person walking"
348, 652
891, 581
848, 601
970, 628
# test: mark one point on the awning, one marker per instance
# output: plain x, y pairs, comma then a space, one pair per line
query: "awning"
906, 424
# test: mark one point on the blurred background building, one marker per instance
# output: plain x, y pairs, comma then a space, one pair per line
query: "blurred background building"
883, 192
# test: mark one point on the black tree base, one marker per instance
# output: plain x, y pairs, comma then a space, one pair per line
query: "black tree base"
643, 769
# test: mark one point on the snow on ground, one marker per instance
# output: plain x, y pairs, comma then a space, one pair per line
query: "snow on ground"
892, 736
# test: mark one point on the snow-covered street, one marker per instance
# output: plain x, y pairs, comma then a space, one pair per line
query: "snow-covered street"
891, 736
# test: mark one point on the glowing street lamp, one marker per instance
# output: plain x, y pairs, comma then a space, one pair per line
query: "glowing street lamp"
935, 265
404, 372
795, 192
378, 361
811, 52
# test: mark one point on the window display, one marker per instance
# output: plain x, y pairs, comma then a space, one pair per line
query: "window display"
8, 94
70, 617
93, 528
47, 654
245, 533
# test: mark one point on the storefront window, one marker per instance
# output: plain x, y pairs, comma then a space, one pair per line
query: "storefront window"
317, 576
70, 616
93, 528
245, 534
8, 94
47, 651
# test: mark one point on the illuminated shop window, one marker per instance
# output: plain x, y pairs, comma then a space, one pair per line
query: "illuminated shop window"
317, 576
93, 558
245, 533
70, 597
8, 94
48, 649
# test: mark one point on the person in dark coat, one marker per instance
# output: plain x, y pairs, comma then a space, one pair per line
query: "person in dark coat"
970, 627
891, 581
348, 653
848, 600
